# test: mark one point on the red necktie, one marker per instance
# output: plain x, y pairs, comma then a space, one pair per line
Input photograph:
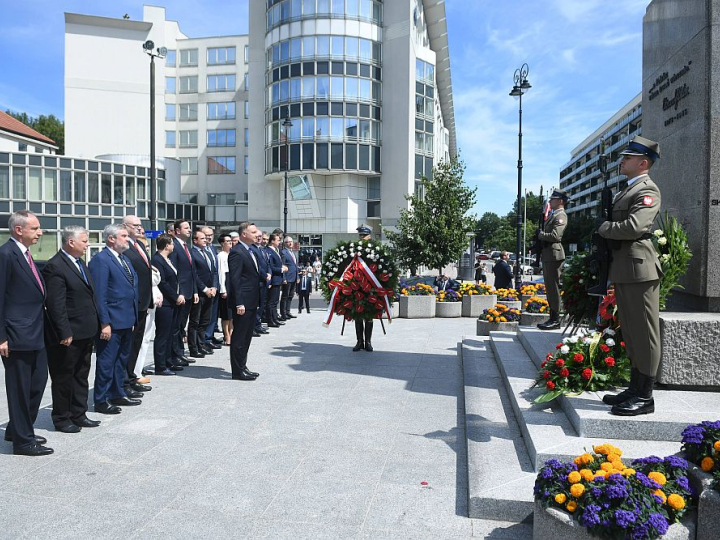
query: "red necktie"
187, 253
34, 270
142, 253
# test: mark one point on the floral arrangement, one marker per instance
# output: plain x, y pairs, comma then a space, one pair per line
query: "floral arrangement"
448, 296
500, 313
507, 295
532, 289
419, 289
470, 289
615, 501
578, 304
701, 445
584, 362
671, 245
535, 304
358, 279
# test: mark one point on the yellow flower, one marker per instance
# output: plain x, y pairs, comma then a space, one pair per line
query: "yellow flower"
618, 465
576, 490
607, 467
658, 477
586, 458
587, 475
571, 506
560, 498
601, 474
612, 457
716, 446
676, 502
660, 494
574, 477
503, 319
628, 472
707, 464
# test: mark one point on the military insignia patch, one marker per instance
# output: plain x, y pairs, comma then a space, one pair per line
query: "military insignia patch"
647, 200
560, 221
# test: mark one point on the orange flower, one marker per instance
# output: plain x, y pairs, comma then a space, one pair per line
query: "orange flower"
658, 477
676, 502
660, 494
576, 490
707, 464
571, 506
574, 477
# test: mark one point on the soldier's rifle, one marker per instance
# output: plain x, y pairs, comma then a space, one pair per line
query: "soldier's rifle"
600, 252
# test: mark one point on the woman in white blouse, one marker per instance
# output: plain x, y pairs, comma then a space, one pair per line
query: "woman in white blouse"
223, 310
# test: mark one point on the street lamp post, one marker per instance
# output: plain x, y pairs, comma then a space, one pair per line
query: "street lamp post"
520, 86
287, 124
160, 52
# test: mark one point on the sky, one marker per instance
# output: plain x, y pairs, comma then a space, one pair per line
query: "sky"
585, 60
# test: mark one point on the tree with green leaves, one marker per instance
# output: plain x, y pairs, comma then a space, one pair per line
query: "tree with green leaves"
433, 231
50, 126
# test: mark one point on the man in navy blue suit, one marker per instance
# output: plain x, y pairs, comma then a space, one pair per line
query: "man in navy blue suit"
188, 283
116, 291
259, 251
212, 326
290, 277
200, 312
22, 297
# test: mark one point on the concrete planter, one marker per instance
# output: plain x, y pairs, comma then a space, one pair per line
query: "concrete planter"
395, 309
556, 524
448, 309
531, 319
688, 341
708, 504
485, 327
417, 307
474, 305
525, 297
511, 305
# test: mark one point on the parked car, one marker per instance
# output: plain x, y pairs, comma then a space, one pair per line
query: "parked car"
495, 255
483, 256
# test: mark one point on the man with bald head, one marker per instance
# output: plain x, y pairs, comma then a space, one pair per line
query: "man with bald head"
290, 278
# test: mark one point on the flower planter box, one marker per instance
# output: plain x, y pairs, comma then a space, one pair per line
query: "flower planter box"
473, 305
556, 524
417, 307
531, 319
395, 309
708, 504
689, 362
525, 297
511, 305
448, 309
485, 327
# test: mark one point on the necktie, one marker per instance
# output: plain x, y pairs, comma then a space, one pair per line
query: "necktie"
127, 270
254, 259
188, 254
34, 270
82, 272
207, 259
142, 253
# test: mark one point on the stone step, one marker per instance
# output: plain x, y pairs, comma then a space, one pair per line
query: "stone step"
547, 431
500, 473
675, 409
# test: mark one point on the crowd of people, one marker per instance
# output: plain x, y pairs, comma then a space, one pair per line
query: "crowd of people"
126, 299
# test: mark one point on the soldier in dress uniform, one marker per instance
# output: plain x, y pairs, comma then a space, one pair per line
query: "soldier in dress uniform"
363, 329
635, 270
553, 255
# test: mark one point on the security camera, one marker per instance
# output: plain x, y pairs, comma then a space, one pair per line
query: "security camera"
149, 45
163, 51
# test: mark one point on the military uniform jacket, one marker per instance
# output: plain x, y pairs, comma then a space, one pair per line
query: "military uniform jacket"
634, 211
552, 234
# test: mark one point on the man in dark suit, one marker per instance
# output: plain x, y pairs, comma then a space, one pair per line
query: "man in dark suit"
200, 312
304, 286
116, 291
503, 272
290, 277
259, 251
243, 299
275, 269
70, 331
22, 297
444, 283
212, 326
188, 282
141, 263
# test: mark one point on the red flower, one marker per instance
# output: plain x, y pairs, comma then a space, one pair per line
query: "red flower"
622, 344
367, 287
558, 345
372, 298
546, 375
559, 362
543, 363
347, 291
564, 372
373, 267
360, 308
384, 277
579, 357
549, 356
348, 275
355, 285
347, 304
586, 374
359, 295
550, 385
610, 361
604, 348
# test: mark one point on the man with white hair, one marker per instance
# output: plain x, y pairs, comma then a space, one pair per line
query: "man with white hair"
290, 278
116, 291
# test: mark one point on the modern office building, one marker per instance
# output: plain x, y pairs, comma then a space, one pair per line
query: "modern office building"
581, 176
354, 99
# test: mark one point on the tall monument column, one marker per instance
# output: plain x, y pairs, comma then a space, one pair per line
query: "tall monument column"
681, 110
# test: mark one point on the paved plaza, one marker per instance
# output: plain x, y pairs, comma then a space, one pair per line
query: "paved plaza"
327, 443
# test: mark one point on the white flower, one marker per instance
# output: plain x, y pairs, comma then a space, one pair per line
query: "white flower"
665, 257
566, 340
662, 241
610, 342
658, 233
587, 340
609, 331
564, 349
335, 268
580, 281
369, 244
352, 244
574, 339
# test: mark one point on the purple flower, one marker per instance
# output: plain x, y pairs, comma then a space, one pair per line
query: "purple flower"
658, 522
590, 517
682, 481
596, 492
675, 461
616, 492
693, 435
624, 518
650, 460
711, 425
546, 473
647, 482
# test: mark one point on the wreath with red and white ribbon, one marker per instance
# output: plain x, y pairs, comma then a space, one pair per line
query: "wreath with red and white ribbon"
358, 280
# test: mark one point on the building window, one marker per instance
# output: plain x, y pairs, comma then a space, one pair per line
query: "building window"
22, 147
246, 82
247, 137
246, 108
170, 111
373, 209
169, 85
188, 111
221, 111
221, 83
247, 164
220, 56
373, 188
170, 58
221, 137
189, 139
188, 57
247, 54
221, 198
170, 139
221, 165
188, 165
188, 85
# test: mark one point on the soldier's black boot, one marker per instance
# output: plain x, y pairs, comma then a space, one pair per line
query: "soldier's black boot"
553, 323
616, 399
359, 333
640, 403
368, 335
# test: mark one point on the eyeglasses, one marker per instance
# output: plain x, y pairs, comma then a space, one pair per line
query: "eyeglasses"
134, 225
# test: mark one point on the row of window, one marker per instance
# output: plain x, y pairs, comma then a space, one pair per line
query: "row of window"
324, 87
216, 56
292, 10
322, 108
320, 128
215, 137
79, 164
312, 156
215, 165
215, 83
215, 111
323, 68
323, 47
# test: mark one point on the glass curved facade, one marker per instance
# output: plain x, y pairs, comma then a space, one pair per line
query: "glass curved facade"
285, 11
331, 88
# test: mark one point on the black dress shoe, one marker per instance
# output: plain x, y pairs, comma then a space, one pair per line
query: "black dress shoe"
34, 450
246, 371
181, 358
273, 325
208, 351
549, 325
197, 354
105, 407
282, 318
262, 331
256, 333
126, 400
279, 321
132, 394
38, 438
290, 316
213, 345
140, 387
86, 422
68, 428
175, 367
244, 377
217, 341
165, 371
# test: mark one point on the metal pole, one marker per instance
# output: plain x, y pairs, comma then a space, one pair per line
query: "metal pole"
152, 214
287, 166
518, 279
525, 228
